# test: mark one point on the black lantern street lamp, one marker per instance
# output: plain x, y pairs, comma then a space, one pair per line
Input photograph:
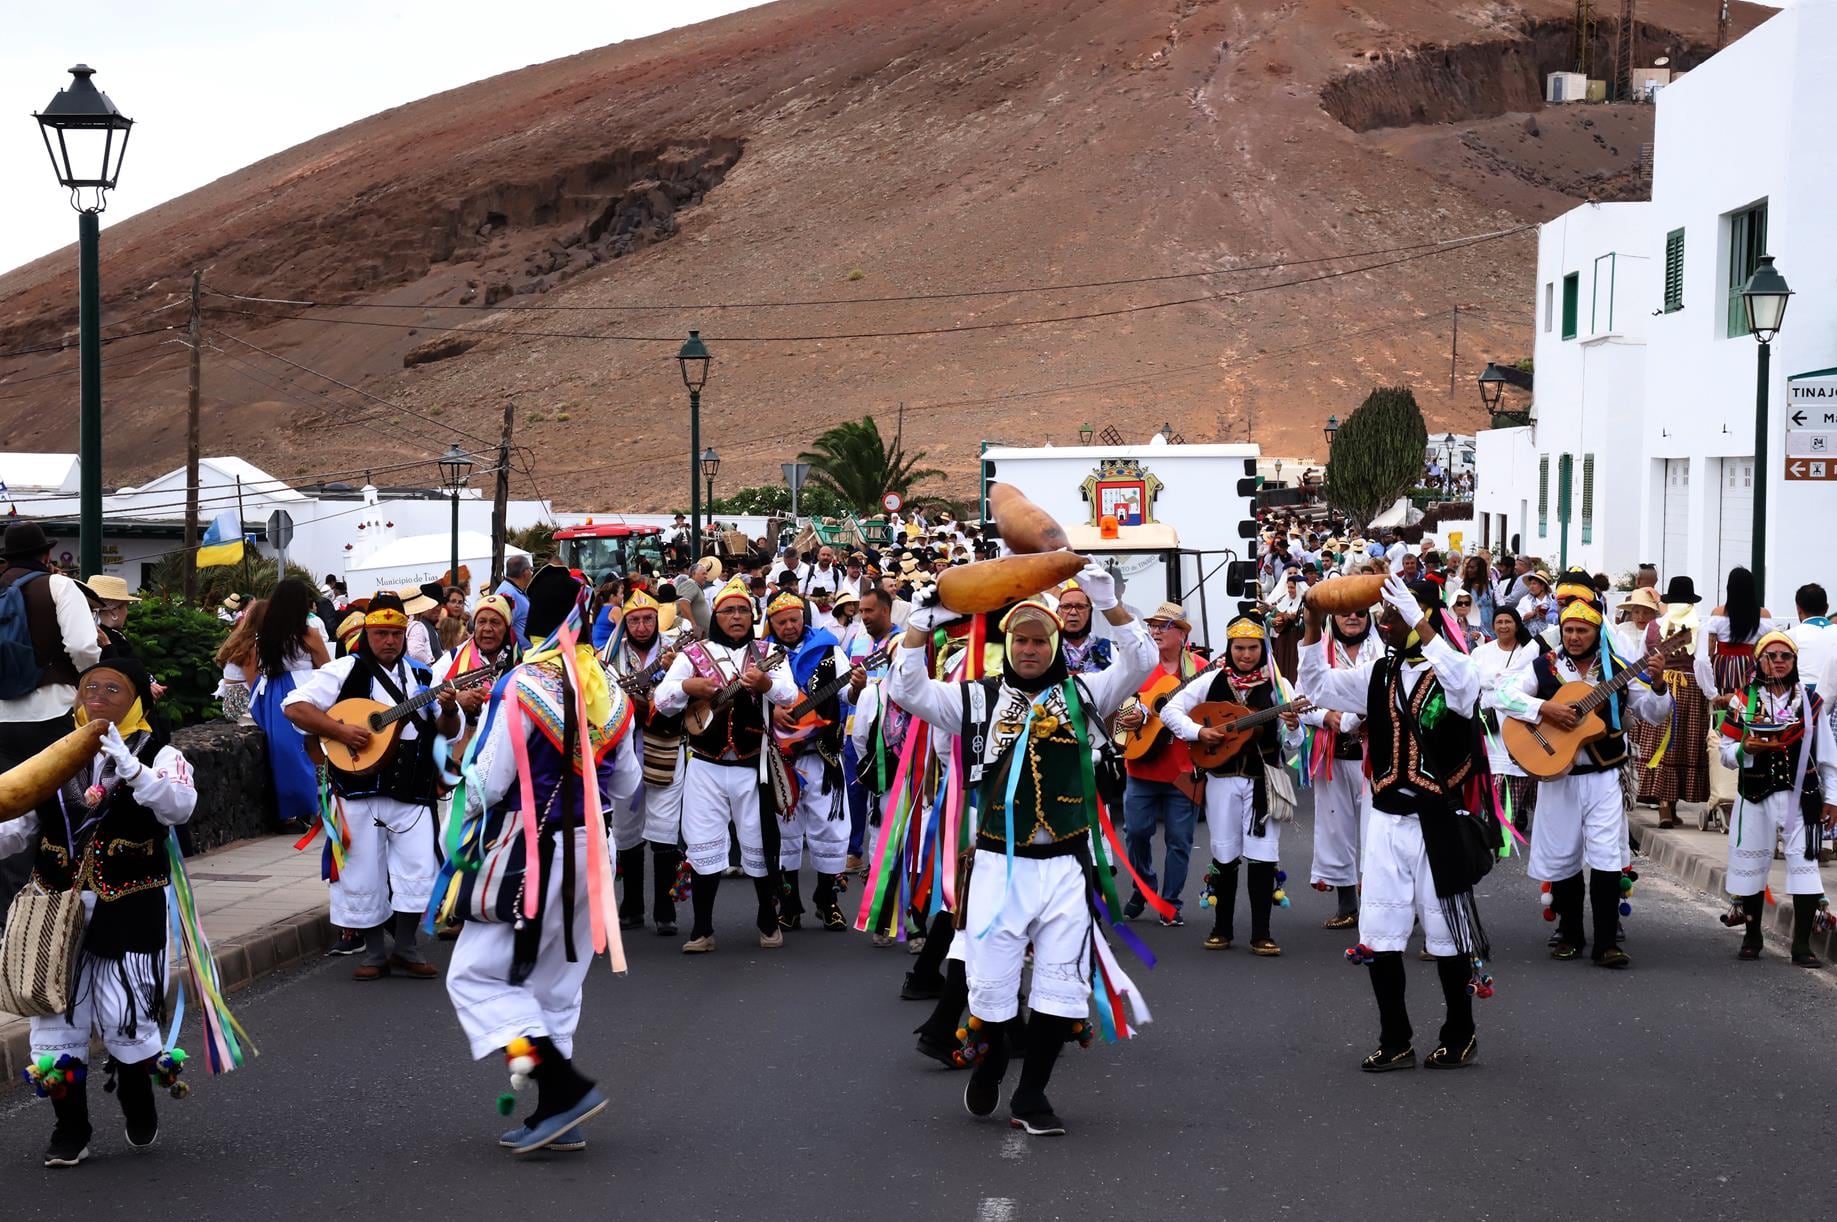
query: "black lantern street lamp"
694, 361
1084, 433
91, 138
1492, 387
1764, 298
1332, 430
711, 467
1167, 431
455, 470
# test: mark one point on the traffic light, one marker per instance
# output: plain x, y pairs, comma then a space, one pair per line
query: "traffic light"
1240, 575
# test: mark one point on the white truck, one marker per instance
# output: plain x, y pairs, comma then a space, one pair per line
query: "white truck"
1167, 518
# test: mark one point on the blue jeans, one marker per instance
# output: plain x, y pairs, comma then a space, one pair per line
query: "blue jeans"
857, 799
1146, 805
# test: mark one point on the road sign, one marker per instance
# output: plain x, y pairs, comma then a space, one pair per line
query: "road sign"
280, 529
892, 502
1812, 468
1811, 400
1811, 443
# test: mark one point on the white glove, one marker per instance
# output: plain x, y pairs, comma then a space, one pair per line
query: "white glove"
931, 613
126, 766
1098, 584
1398, 598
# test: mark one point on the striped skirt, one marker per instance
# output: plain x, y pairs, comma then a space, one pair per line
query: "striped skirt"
1682, 774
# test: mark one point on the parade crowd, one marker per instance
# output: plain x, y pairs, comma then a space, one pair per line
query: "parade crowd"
566, 760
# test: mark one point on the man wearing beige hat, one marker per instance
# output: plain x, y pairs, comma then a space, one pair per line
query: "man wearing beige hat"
112, 615
1153, 799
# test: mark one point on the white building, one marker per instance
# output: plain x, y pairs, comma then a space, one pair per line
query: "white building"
1642, 446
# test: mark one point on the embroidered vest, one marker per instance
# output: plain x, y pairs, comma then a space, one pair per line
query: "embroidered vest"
1415, 750
1765, 773
1266, 747
740, 727
122, 858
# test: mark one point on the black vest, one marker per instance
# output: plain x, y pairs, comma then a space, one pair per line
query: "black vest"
1765, 773
124, 855
740, 727
409, 775
1602, 755
1412, 763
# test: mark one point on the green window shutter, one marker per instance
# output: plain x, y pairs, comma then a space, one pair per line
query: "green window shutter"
1572, 291
1747, 243
1565, 470
1543, 494
1674, 271
1588, 498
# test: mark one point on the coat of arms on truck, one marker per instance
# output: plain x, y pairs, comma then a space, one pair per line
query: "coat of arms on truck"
1121, 488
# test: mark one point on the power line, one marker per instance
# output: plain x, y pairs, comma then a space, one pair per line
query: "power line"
62, 347
966, 328
323, 407
1004, 291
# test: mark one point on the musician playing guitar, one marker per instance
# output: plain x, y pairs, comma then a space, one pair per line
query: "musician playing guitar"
1154, 796
1581, 817
1237, 797
725, 771
819, 820
639, 657
388, 815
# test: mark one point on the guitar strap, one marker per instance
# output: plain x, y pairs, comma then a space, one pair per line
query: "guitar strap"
394, 689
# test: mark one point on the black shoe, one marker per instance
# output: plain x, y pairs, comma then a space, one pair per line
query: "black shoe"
833, 920
1133, 909
665, 929
1380, 1061
1565, 951
350, 942
1174, 922
980, 1098
1445, 1057
916, 989
1613, 956
631, 922
1040, 1123
790, 920
65, 1151
134, 1090
941, 1051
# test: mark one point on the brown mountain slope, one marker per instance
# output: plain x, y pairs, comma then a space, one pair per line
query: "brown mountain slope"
844, 151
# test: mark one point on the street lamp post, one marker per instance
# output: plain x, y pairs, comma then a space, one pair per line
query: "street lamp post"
711, 467
1764, 298
694, 361
87, 159
455, 470
1331, 430
1085, 431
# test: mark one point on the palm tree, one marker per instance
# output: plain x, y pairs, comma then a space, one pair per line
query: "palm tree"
853, 462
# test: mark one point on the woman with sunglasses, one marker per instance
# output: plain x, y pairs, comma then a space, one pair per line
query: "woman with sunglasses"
1786, 795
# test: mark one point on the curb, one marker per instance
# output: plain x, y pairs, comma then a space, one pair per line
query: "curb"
1673, 856
240, 962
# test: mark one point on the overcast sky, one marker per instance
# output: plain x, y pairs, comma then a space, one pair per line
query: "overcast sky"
214, 85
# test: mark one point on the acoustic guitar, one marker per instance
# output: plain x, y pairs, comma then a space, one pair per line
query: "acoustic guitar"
385, 722
702, 713
1546, 752
1140, 741
804, 712
1240, 725
640, 683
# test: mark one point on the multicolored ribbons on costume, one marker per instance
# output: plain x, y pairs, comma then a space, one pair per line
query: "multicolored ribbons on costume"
226, 1045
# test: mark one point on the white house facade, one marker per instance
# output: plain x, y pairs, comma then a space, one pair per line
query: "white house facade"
1642, 446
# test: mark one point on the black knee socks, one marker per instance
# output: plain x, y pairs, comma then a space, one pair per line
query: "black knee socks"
765, 889
559, 1086
947, 1015
1455, 971
1224, 890
701, 898
1046, 1038
937, 944
133, 1086
631, 873
1752, 906
1804, 913
1387, 986
825, 894
1566, 898
664, 864
790, 901
992, 1066
1260, 882
1348, 900
1604, 900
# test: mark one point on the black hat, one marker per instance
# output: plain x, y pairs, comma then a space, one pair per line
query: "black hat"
24, 541
787, 577
1681, 589
434, 590
552, 593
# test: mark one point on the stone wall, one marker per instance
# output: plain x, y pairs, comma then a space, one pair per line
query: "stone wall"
235, 792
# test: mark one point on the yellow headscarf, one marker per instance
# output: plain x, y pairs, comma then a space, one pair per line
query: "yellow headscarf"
1579, 610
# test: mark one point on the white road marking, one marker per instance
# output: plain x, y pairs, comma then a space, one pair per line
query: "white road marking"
1014, 1146
995, 1209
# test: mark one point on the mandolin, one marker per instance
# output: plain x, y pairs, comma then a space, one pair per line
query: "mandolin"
702, 713
1546, 752
385, 722
1240, 725
640, 684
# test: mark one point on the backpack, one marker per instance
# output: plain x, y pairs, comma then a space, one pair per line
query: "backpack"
19, 669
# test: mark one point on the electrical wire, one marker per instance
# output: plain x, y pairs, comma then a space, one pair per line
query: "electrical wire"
954, 294
106, 339
912, 332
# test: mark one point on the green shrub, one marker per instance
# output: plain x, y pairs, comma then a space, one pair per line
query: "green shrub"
179, 647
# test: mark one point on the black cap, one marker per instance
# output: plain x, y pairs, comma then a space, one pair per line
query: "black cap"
24, 541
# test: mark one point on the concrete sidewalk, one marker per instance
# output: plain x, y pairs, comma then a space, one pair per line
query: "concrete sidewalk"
1699, 859
263, 906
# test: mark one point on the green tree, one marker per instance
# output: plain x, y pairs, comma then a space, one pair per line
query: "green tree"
538, 540
1377, 453
254, 578
776, 499
854, 462
179, 644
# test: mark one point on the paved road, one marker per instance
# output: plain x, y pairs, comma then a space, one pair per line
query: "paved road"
782, 1085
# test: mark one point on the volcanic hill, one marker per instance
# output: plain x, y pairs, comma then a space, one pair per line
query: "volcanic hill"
884, 159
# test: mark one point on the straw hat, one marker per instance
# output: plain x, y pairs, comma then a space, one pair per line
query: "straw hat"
1173, 613
111, 589
1645, 597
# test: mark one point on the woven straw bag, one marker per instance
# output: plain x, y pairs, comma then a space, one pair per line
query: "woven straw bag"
38, 951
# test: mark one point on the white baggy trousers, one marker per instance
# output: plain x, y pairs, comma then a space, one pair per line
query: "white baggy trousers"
1045, 905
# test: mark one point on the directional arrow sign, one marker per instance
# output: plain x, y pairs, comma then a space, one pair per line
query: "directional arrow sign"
1798, 419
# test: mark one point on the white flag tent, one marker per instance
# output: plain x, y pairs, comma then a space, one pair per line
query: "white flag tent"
413, 559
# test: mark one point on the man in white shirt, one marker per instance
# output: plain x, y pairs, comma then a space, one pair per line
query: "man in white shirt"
1817, 641
789, 562
65, 640
825, 576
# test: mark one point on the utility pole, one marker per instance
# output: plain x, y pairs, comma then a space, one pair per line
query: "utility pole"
1722, 26
500, 503
195, 331
1454, 349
